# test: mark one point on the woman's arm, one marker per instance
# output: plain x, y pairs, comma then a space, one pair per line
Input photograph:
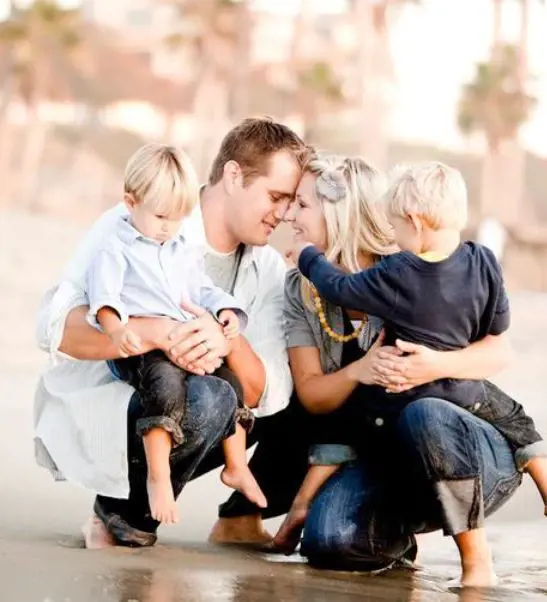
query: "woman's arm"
322, 393
479, 361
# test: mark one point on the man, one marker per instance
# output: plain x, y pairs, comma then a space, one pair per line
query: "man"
85, 420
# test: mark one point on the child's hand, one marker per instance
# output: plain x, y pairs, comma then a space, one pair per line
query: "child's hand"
230, 323
126, 341
293, 254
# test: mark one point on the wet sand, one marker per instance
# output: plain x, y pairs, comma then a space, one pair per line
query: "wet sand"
41, 558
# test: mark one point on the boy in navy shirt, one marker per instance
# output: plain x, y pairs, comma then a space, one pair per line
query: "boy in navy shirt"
437, 292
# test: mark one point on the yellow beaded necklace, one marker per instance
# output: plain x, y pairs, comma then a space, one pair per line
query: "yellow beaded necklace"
339, 338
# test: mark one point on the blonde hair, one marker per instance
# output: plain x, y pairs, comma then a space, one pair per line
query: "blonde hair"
162, 178
350, 191
432, 190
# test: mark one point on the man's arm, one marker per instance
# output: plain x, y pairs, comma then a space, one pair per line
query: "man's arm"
83, 342
249, 369
260, 360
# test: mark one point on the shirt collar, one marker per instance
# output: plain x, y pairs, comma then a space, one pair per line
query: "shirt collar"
128, 234
193, 233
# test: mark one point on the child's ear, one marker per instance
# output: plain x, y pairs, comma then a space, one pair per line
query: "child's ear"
416, 221
129, 200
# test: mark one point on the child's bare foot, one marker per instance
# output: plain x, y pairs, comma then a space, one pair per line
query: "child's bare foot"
480, 574
288, 536
163, 507
243, 480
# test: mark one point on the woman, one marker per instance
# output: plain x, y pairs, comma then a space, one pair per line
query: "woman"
427, 466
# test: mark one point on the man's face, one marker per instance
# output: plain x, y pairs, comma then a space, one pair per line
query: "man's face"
257, 208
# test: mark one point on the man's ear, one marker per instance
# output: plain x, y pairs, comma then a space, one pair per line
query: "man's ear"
129, 200
233, 175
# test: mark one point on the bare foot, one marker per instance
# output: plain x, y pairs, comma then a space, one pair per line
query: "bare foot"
163, 507
288, 536
480, 574
243, 480
242, 529
96, 536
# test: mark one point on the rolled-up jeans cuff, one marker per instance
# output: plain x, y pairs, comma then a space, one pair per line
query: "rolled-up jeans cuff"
524, 454
330, 454
462, 505
164, 422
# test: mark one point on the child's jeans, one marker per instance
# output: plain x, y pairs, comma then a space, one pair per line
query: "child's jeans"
499, 409
162, 388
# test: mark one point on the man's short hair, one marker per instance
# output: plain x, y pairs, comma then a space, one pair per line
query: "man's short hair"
252, 143
432, 190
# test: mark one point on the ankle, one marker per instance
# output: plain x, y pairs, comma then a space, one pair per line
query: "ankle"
300, 504
159, 475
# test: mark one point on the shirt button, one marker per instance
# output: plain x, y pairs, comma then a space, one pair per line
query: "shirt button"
476, 406
379, 421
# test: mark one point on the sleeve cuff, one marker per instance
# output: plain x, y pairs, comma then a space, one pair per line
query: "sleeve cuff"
331, 454
241, 315
307, 257
530, 452
116, 305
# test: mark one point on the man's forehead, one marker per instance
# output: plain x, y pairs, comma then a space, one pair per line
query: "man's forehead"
283, 174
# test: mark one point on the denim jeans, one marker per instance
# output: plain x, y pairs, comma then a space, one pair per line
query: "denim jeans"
209, 419
440, 467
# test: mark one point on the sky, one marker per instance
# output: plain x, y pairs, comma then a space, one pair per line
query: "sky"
435, 46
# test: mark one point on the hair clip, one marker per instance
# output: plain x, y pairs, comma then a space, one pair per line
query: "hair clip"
331, 185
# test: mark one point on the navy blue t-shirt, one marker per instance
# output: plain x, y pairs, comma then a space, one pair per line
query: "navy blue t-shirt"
445, 305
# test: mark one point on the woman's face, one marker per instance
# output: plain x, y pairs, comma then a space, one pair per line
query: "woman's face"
308, 220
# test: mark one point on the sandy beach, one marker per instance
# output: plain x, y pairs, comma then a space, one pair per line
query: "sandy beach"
41, 555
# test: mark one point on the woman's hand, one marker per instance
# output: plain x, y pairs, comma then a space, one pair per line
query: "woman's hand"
406, 366
362, 370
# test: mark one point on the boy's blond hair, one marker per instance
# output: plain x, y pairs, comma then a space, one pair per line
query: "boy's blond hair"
162, 178
432, 190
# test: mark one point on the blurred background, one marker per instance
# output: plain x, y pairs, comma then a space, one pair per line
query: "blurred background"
84, 82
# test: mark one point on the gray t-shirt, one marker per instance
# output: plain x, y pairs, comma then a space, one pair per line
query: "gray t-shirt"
220, 267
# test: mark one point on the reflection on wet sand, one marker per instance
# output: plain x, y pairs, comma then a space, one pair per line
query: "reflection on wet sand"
167, 586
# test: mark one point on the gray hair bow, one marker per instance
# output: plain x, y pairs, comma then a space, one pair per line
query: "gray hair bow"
331, 185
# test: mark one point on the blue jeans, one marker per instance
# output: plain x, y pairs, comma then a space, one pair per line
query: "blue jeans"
209, 419
440, 467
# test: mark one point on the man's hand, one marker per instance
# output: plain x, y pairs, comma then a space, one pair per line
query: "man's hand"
197, 345
407, 365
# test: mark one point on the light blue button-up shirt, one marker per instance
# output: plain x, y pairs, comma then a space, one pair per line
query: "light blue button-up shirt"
137, 276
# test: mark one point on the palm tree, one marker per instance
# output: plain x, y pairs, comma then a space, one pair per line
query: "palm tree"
36, 38
496, 103
216, 35
375, 73
316, 87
